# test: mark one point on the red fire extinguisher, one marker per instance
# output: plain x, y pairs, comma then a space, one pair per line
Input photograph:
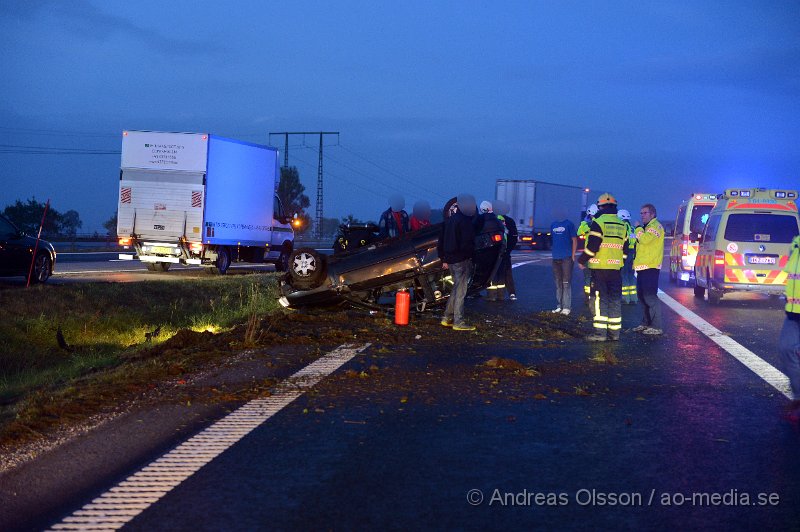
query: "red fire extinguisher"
402, 302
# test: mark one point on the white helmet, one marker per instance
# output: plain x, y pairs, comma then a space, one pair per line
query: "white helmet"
592, 210
486, 206
623, 214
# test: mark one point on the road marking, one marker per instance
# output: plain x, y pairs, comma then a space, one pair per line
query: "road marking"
120, 504
756, 364
518, 264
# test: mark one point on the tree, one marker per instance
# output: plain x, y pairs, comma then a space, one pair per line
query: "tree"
70, 223
110, 225
290, 191
28, 216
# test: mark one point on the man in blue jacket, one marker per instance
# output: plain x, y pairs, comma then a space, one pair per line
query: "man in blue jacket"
456, 246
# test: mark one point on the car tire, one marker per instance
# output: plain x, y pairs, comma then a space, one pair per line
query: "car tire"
306, 268
223, 261
714, 296
42, 268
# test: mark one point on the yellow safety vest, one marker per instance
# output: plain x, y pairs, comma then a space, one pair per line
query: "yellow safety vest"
583, 228
610, 255
793, 280
650, 246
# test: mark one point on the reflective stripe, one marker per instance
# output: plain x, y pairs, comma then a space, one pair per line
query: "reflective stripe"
588, 252
594, 261
595, 233
616, 327
654, 232
611, 245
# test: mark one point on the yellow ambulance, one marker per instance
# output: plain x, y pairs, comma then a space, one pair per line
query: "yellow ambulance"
746, 243
689, 224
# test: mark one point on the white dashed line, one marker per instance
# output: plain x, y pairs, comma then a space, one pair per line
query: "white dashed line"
120, 504
756, 364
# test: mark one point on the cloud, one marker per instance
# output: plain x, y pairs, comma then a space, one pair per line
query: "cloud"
85, 19
764, 69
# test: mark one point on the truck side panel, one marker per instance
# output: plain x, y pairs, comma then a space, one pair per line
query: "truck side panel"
519, 195
163, 205
240, 184
555, 201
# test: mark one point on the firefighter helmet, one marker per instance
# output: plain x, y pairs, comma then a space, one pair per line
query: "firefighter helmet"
606, 199
623, 214
592, 210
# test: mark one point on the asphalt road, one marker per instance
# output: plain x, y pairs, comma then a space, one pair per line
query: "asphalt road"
676, 434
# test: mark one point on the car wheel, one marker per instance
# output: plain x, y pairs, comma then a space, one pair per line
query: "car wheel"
223, 261
42, 268
714, 296
306, 268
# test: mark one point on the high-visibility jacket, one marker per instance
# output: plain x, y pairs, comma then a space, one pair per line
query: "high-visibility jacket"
606, 245
649, 246
793, 281
583, 228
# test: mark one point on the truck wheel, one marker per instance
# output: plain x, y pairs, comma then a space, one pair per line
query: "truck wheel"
42, 268
699, 291
306, 268
282, 263
223, 261
161, 266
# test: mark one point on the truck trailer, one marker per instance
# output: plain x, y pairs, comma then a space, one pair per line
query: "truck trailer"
200, 199
534, 204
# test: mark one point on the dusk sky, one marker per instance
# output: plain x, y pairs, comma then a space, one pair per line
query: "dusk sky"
650, 100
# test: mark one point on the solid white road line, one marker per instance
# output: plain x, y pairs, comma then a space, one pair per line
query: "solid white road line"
756, 364
518, 264
120, 504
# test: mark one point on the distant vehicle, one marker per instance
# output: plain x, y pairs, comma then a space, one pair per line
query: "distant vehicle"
689, 225
746, 243
194, 198
363, 276
16, 254
532, 204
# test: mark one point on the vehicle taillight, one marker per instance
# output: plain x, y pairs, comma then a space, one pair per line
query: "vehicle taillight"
497, 238
685, 246
196, 247
719, 258
125, 242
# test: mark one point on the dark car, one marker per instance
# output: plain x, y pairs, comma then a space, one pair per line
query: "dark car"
16, 254
364, 276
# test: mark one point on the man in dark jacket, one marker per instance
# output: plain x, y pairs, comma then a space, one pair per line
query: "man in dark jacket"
456, 246
394, 220
504, 272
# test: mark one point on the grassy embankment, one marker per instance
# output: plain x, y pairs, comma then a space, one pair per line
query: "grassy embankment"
106, 324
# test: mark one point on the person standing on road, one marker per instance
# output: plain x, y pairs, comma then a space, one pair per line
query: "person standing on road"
502, 209
647, 264
790, 332
565, 243
605, 252
420, 215
583, 231
456, 246
629, 296
394, 220
486, 215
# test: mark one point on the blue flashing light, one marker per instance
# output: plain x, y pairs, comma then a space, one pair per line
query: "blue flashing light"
744, 193
734, 193
780, 194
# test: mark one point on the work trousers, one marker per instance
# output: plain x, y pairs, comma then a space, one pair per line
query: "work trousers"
562, 275
647, 286
503, 281
790, 352
608, 304
629, 281
462, 274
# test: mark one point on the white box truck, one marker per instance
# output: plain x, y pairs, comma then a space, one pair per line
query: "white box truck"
195, 198
533, 204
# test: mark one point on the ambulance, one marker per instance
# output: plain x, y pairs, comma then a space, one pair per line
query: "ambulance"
689, 224
746, 243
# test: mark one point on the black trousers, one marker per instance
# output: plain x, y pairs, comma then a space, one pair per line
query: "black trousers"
608, 304
647, 287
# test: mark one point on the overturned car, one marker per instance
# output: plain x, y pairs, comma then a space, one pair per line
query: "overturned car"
365, 276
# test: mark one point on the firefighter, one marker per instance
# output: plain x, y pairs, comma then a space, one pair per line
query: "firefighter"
504, 271
495, 290
647, 264
790, 332
628, 276
605, 250
583, 230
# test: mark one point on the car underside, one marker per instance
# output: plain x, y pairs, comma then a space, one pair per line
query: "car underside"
367, 276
